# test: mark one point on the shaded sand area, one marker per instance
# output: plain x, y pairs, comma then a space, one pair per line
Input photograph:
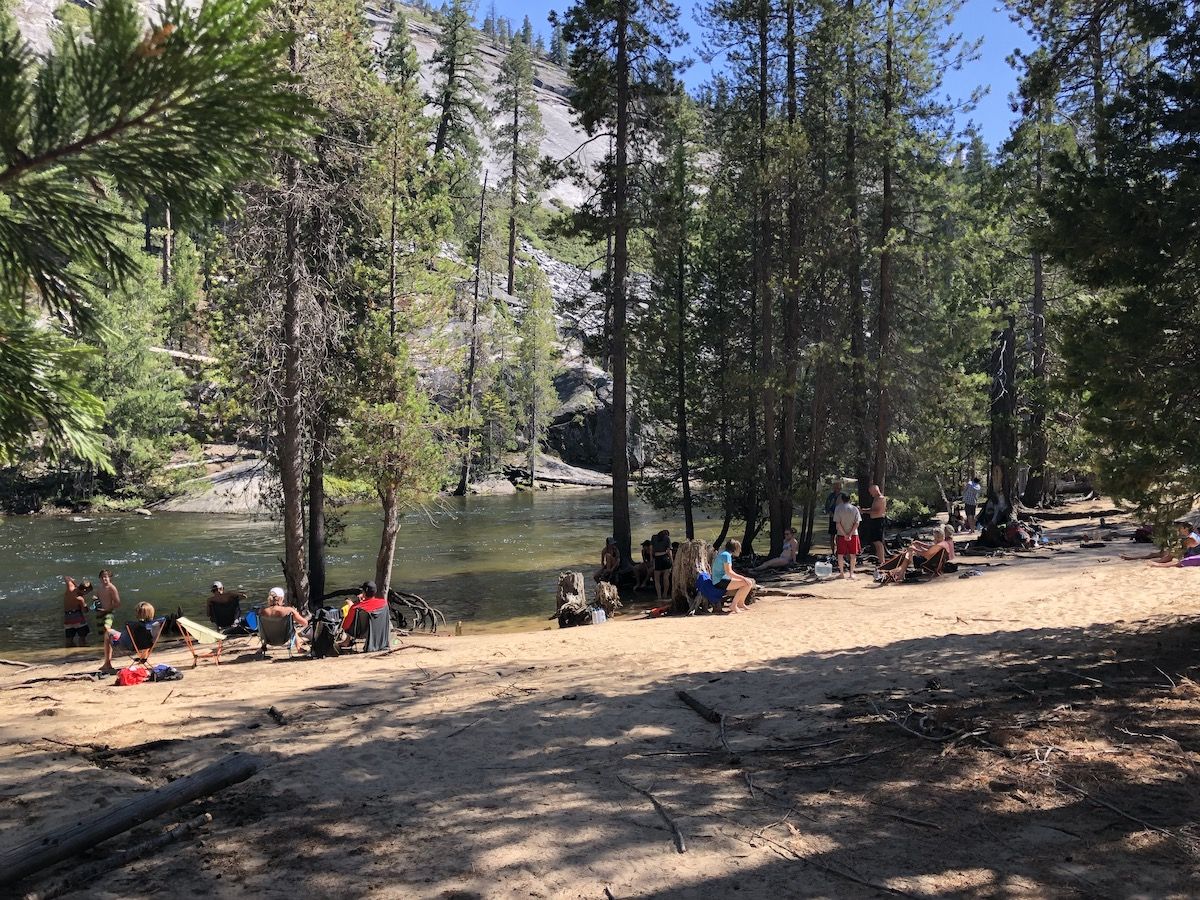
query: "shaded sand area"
1031, 732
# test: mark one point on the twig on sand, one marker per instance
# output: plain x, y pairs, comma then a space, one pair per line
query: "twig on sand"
168, 697
1058, 782
850, 759
465, 727
1166, 676
609, 895
77, 676
818, 864
454, 674
680, 844
912, 821
16, 662
411, 647
793, 748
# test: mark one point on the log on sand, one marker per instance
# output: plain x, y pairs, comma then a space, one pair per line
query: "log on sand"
45, 850
692, 558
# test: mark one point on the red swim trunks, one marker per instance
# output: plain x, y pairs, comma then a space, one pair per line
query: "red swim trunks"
848, 546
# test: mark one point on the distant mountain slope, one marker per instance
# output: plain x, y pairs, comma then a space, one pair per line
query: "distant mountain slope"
553, 85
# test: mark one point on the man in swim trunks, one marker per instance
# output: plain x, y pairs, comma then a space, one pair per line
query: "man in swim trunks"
873, 523
75, 607
109, 599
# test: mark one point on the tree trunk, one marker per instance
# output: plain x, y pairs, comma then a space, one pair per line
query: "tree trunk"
1035, 487
514, 195
291, 419
791, 328
316, 514
168, 245
533, 447
681, 385
886, 283
387, 539
857, 312
766, 312
464, 477
1002, 410
691, 559
620, 402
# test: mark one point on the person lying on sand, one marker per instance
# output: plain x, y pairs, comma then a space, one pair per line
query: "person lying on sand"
791, 549
75, 607
1189, 555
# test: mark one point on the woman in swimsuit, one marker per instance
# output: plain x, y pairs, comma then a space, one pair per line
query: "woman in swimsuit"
791, 549
1188, 557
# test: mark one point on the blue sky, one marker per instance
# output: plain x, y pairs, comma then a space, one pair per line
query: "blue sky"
985, 19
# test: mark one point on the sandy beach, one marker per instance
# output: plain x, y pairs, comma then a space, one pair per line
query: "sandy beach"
1029, 732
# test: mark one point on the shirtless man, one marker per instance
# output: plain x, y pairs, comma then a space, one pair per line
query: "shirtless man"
109, 599
873, 522
75, 607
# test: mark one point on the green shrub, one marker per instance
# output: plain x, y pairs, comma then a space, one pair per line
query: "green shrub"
910, 513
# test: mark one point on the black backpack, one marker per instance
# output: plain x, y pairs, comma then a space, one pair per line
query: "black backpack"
326, 632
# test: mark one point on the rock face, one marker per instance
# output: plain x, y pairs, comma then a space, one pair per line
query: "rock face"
492, 485
582, 429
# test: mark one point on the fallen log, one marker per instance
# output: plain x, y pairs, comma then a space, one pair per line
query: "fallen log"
706, 712
44, 850
88, 876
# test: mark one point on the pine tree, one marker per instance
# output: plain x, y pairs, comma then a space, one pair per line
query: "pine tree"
93, 113
558, 47
527, 33
618, 59
536, 365
518, 140
457, 88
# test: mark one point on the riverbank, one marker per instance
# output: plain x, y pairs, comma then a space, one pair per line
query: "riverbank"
1029, 732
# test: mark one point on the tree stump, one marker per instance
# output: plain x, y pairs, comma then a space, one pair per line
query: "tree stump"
571, 603
692, 558
608, 598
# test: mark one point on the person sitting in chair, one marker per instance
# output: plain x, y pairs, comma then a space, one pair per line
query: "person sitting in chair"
125, 638
919, 554
223, 605
278, 608
368, 602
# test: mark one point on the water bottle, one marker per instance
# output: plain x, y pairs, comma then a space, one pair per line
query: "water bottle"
598, 616
823, 568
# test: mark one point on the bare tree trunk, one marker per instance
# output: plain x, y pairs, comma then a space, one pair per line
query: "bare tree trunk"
1002, 409
886, 282
620, 401
464, 477
392, 250
168, 245
290, 441
681, 385
768, 395
858, 349
387, 539
514, 195
791, 328
533, 446
1035, 488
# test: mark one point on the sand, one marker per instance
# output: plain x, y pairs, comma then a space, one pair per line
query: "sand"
1006, 735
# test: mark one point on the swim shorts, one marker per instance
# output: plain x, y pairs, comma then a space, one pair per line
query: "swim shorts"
848, 546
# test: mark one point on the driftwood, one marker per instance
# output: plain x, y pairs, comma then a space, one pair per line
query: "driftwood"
18, 663
44, 850
692, 558
608, 598
570, 601
88, 876
77, 676
680, 844
705, 712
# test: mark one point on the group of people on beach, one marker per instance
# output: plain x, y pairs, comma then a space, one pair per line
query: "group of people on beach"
223, 608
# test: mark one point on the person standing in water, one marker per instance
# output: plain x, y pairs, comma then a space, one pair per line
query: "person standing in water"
75, 608
109, 598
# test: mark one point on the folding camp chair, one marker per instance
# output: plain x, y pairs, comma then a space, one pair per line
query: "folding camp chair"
934, 564
372, 628
194, 633
276, 631
143, 636
225, 614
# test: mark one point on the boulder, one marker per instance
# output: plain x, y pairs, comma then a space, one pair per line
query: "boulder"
581, 433
492, 485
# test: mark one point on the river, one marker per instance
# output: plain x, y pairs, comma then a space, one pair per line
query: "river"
489, 562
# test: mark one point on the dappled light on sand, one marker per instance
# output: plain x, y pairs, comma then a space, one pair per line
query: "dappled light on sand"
1008, 735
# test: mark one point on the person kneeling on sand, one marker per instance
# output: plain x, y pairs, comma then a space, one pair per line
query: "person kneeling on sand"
726, 579
1189, 554
791, 549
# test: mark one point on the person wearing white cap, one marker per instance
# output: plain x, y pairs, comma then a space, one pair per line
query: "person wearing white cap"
223, 605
